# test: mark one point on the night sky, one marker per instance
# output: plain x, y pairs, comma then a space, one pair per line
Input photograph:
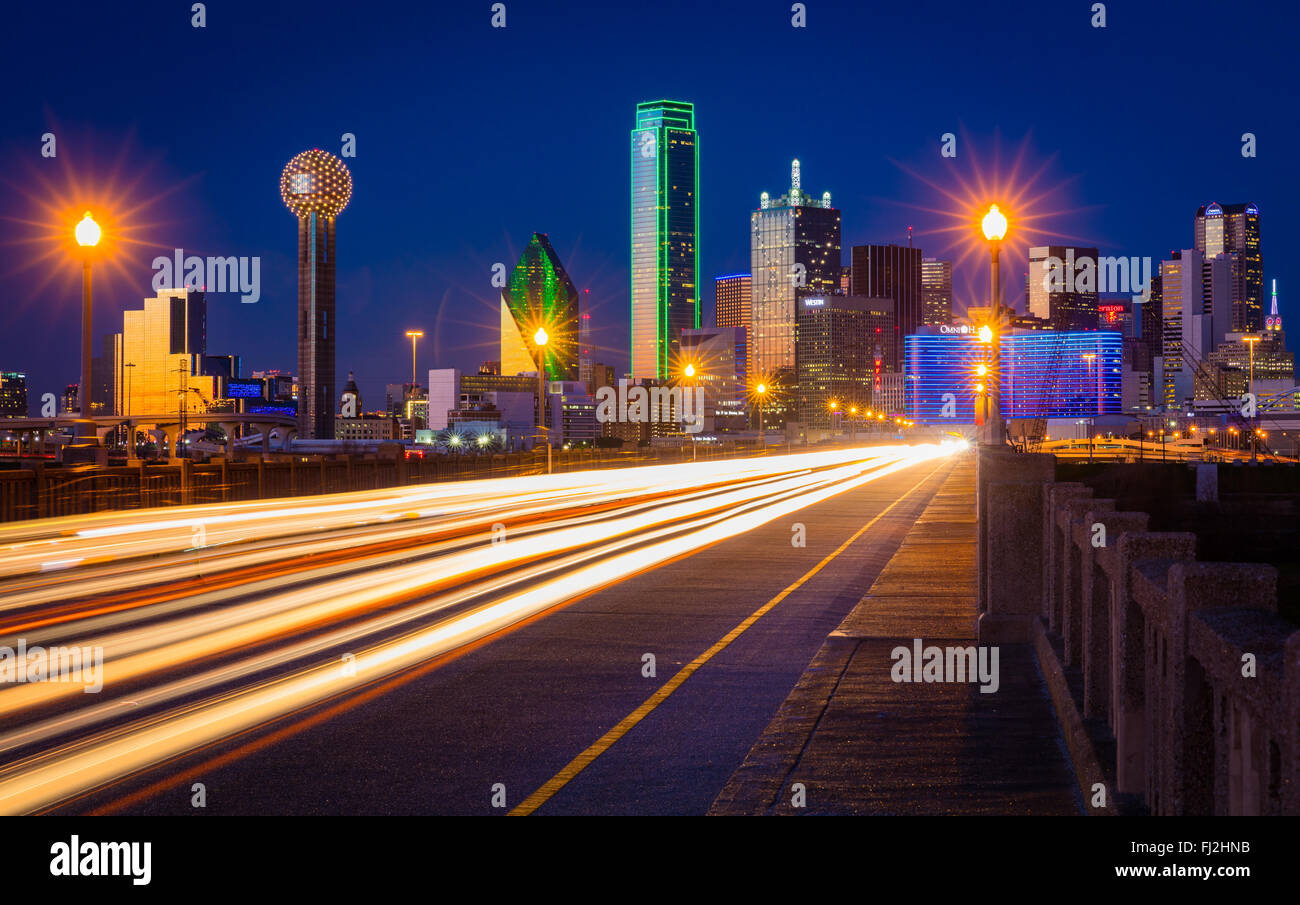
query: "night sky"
470, 138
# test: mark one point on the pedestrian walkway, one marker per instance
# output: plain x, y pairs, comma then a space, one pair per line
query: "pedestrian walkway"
851, 740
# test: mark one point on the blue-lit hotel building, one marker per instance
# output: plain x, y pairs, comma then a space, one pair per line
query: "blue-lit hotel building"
1044, 374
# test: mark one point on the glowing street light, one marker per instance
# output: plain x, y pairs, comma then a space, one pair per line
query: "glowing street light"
88, 234
414, 335
994, 224
689, 373
540, 338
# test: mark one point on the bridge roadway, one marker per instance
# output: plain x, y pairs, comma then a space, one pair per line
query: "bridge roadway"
444, 649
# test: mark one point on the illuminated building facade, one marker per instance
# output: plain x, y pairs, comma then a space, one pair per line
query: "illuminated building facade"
936, 292
1116, 314
891, 271
1233, 229
718, 354
733, 296
1232, 366
1062, 375
316, 186
13, 394
1043, 375
794, 252
540, 294
845, 346
1198, 312
1060, 290
159, 358
665, 234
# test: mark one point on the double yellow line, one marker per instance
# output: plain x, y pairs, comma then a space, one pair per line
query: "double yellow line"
603, 744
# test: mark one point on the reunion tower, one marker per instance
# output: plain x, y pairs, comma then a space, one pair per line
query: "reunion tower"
316, 187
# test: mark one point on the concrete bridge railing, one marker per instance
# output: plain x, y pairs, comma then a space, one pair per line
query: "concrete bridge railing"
1187, 665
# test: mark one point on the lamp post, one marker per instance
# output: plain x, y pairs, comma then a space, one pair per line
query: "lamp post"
689, 371
994, 227
539, 339
414, 335
1089, 357
761, 390
88, 234
1250, 341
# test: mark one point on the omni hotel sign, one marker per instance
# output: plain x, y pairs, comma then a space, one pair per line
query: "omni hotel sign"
958, 329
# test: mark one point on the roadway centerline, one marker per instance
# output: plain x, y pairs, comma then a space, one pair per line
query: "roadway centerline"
571, 770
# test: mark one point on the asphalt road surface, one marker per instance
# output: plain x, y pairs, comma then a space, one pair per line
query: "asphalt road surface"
596, 643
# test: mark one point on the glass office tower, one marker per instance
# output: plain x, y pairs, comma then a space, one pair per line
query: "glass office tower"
936, 292
665, 230
540, 294
1233, 229
794, 251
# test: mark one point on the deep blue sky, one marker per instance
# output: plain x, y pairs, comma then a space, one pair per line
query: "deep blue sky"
469, 138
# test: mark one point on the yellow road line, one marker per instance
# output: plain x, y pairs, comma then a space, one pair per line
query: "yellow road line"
601, 745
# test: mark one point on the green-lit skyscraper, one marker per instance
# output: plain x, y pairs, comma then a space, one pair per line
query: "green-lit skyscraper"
665, 231
539, 294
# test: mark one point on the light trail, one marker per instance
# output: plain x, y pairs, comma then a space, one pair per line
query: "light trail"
189, 670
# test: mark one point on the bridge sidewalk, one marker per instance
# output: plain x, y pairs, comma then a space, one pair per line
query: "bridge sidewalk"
861, 743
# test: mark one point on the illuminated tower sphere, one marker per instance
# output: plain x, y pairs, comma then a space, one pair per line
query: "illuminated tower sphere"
316, 186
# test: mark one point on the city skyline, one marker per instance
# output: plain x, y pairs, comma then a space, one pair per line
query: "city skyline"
724, 409
900, 184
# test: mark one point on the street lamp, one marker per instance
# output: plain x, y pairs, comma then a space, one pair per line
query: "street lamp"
414, 335
689, 372
1089, 357
88, 235
761, 390
539, 339
994, 227
1250, 341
